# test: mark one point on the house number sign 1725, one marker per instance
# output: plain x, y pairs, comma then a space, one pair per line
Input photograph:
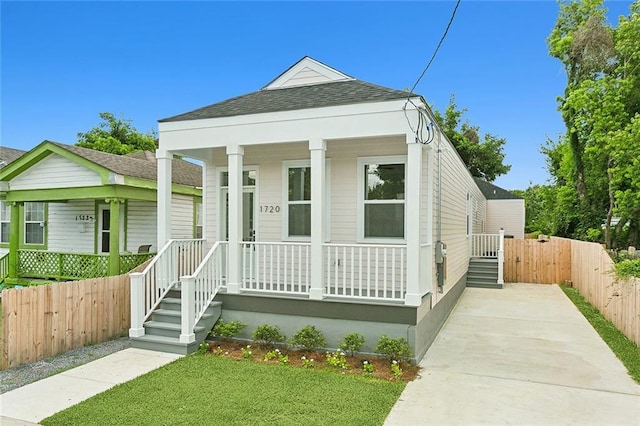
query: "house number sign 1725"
269, 209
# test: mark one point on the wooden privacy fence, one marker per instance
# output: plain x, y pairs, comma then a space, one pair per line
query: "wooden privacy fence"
617, 300
587, 266
41, 321
537, 261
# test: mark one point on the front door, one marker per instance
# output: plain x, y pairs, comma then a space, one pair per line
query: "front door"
248, 228
104, 228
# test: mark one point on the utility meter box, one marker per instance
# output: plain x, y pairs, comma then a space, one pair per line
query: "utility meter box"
441, 252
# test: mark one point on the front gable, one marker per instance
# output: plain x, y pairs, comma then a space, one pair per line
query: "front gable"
307, 71
55, 171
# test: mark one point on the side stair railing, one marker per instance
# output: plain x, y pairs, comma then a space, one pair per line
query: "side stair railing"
200, 288
490, 246
149, 287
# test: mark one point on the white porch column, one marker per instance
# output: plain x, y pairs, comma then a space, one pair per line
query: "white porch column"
234, 157
163, 159
318, 148
412, 198
428, 258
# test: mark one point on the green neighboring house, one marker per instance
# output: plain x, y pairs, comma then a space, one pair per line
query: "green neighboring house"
68, 212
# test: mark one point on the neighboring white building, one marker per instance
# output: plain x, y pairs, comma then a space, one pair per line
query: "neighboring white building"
504, 210
325, 199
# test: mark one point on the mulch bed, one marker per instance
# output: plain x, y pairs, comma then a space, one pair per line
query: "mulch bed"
381, 366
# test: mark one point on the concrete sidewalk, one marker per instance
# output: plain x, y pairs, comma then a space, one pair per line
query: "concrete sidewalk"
520, 355
39, 400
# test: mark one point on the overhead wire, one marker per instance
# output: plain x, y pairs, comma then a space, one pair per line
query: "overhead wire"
424, 119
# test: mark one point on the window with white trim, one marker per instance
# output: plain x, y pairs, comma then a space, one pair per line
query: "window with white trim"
298, 199
382, 197
5, 221
34, 223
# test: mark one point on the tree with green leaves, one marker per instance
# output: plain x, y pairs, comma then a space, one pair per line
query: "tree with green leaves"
117, 136
594, 163
484, 157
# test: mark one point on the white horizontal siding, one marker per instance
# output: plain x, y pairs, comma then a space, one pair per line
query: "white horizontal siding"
456, 184
306, 76
71, 226
141, 225
506, 214
181, 217
55, 171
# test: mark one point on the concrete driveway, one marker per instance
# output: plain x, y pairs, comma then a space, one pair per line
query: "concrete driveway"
520, 355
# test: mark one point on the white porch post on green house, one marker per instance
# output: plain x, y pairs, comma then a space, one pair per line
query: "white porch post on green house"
318, 149
163, 160
114, 235
412, 196
235, 155
14, 240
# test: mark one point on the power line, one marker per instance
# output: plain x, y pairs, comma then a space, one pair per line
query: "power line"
455, 9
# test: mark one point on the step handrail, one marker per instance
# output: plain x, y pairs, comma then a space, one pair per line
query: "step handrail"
200, 288
150, 286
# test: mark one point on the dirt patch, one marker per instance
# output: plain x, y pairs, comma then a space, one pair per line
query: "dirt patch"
356, 364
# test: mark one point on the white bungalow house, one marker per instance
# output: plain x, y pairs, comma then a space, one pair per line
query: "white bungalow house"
68, 212
327, 201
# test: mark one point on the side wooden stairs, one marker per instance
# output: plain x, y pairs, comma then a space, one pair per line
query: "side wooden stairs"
483, 273
162, 329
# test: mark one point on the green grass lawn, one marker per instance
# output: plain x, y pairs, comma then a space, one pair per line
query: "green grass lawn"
625, 349
211, 390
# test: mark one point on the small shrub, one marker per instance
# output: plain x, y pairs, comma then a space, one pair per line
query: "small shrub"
268, 334
627, 268
218, 351
227, 330
247, 353
352, 343
308, 337
337, 359
367, 367
271, 355
203, 348
394, 349
396, 370
307, 362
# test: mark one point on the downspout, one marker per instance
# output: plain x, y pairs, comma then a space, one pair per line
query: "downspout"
439, 244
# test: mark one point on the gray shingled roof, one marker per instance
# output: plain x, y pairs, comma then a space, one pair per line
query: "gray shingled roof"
294, 98
493, 192
7, 155
139, 165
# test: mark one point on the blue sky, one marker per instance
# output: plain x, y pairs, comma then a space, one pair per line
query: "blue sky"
62, 63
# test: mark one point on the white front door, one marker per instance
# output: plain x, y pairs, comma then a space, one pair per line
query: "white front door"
248, 227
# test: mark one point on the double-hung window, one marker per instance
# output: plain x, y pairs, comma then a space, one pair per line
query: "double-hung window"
34, 223
382, 198
298, 198
5, 221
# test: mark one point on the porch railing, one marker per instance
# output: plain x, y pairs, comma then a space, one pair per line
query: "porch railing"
490, 246
366, 271
4, 266
128, 261
73, 266
200, 288
177, 258
485, 245
62, 266
276, 267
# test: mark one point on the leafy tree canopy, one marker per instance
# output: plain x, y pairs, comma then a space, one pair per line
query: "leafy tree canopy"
483, 156
595, 165
117, 136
